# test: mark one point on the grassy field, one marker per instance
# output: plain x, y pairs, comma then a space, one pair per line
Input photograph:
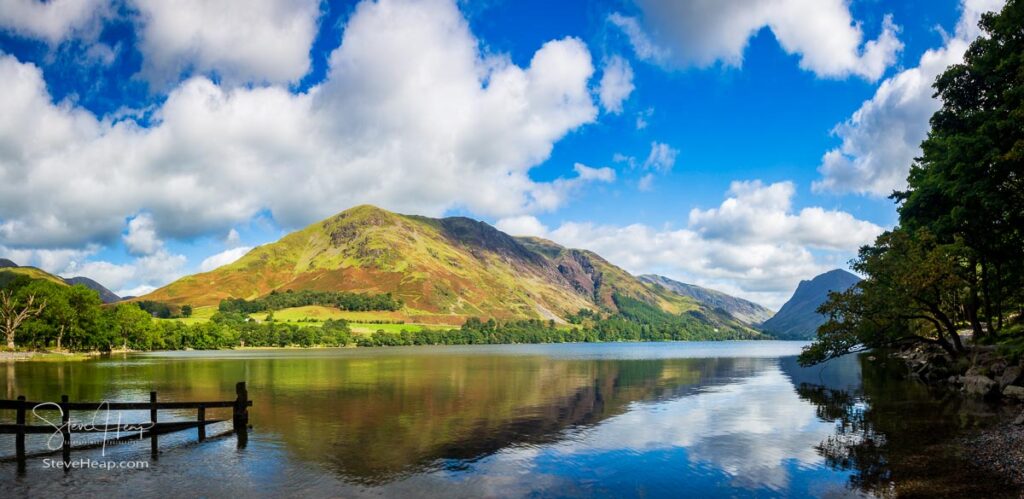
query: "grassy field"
359, 322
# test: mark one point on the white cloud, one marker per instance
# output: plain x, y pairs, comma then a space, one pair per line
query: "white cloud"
50, 260
823, 33
586, 173
223, 258
616, 84
215, 157
755, 213
882, 138
239, 40
52, 21
752, 245
141, 238
126, 279
142, 290
661, 158
523, 225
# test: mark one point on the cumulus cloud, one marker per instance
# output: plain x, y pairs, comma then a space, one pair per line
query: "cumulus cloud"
223, 258
753, 245
882, 138
52, 21
239, 40
141, 238
523, 225
823, 33
463, 133
616, 84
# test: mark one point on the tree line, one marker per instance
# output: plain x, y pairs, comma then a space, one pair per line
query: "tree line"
39, 314
342, 300
73, 318
955, 261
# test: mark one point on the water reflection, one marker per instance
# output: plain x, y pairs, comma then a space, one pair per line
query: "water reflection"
738, 419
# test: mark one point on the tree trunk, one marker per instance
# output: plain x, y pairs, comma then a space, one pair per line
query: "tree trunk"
60, 336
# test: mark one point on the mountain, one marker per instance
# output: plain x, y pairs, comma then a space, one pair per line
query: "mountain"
106, 296
444, 270
10, 270
744, 311
798, 318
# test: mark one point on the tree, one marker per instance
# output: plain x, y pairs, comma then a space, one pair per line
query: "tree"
968, 185
956, 260
130, 322
13, 313
186, 311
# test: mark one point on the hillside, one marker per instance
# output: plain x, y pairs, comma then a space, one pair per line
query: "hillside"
745, 311
10, 270
443, 270
106, 295
798, 318
10, 273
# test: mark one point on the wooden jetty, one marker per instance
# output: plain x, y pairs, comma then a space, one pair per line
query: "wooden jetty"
148, 429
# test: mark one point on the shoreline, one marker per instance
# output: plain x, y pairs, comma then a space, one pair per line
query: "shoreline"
34, 356
986, 377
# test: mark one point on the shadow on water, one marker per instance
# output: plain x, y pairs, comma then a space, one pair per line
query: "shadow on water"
896, 435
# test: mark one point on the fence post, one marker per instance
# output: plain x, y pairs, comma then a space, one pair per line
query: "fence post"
201, 417
66, 431
240, 419
19, 442
152, 431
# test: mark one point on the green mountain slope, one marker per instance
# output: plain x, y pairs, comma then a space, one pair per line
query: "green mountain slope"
798, 319
10, 271
745, 311
443, 270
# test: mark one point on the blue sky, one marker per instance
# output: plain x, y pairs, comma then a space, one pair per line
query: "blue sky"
738, 145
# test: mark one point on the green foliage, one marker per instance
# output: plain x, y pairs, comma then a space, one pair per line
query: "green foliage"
957, 258
342, 300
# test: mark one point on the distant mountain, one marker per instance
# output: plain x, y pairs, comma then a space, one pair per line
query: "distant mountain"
443, 269
798, 319
106, 296
745, 311
10, 270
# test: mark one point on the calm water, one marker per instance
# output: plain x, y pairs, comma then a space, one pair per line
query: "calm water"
653, 419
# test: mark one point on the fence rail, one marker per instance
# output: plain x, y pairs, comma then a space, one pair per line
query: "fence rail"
149, 429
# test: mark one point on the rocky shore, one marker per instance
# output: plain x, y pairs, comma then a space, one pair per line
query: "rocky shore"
985, 376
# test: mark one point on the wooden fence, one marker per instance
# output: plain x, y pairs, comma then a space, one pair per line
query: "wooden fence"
151, 429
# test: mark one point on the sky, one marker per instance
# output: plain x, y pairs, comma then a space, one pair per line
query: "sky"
742, 145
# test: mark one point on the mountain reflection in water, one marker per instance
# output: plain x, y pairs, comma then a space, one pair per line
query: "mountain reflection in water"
729, 418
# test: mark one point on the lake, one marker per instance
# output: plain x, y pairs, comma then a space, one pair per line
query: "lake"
570, 420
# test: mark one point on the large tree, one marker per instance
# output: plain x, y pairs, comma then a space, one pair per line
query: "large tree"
14, 312
956, 260
968, 184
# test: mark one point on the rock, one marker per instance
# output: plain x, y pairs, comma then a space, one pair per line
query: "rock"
996, 368
1014, 391
980, 386
1011, 376
1020, 419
